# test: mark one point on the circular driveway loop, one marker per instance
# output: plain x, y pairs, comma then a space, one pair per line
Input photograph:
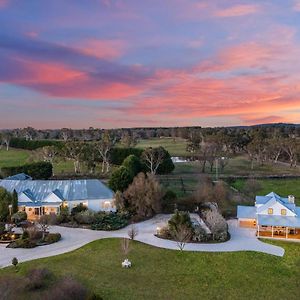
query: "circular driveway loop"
242, 239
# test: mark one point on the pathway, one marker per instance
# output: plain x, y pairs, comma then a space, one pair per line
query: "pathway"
242, 239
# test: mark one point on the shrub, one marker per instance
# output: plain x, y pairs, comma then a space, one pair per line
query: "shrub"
133, 164
118, 155
67, 289
168, 202
200, 234
5, 201
164, 233
143, 196
37, 170
109, 221
77, 209
22, 243
51, 238
37, 278
19, 217
64, 216
179, 218
33, 145
34, 232
85, 217
2, 228
216, 223
120, 179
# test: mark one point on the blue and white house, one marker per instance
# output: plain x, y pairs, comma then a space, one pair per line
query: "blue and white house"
272, 215
39, 197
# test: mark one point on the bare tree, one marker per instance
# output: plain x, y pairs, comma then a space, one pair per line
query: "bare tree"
47, 153
74, 151
104, 146
182, 235
29, 133
153, 158
44, 224
132, 232
125, 246
291, 148
128, 140
6, 138
66, 133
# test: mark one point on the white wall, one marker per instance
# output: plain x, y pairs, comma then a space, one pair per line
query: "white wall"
277, 210
93, 204
99, 205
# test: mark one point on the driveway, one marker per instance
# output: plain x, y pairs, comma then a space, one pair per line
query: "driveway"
242, 239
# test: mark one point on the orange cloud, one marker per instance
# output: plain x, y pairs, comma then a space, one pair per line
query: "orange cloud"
237, 11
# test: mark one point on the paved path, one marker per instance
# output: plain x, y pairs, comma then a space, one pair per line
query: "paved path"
73, 238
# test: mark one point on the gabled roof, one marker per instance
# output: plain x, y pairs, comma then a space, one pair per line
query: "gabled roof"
272, 202
20, 176
246, 212
29, 194
38, 190
263, 200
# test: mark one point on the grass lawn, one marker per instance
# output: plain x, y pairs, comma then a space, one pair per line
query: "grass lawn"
13, 157
166, 274
283, 187
175, 148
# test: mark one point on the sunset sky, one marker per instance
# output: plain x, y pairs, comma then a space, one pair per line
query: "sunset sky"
135, 63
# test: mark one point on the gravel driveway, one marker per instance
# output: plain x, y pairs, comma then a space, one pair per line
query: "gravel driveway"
242, 239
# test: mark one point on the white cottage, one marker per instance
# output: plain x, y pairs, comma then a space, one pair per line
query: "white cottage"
272, 215
39, 197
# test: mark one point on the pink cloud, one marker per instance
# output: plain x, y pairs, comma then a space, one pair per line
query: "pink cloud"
237, 11
104, 49
297, 5
3, 3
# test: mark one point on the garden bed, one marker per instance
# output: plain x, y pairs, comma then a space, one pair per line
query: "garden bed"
27, 243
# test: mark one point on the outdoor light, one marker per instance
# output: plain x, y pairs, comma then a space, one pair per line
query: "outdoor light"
158, 230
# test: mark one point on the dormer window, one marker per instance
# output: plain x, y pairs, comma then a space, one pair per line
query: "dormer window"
270, 211
283, 212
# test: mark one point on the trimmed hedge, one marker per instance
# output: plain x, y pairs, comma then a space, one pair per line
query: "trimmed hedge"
37, 170
33, 145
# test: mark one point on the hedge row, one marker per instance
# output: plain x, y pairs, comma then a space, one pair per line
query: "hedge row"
33, 145
37, 170
117, 155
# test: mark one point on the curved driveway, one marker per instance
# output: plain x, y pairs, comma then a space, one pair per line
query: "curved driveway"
73, 238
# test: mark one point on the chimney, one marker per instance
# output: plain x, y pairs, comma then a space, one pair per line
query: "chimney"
291, 199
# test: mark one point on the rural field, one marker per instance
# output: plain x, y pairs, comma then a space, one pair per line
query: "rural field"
168, 274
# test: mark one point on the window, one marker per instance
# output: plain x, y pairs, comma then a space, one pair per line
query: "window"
106, 204
270, 211
283, 212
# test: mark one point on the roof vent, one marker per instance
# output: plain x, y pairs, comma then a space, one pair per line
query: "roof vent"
291, 199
